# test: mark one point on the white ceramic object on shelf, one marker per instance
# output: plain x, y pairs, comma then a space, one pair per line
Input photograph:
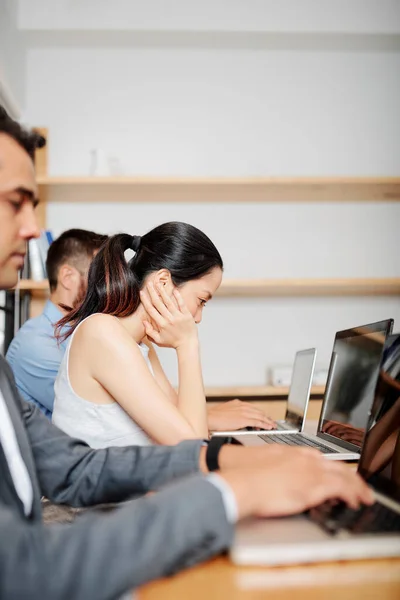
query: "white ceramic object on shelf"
102, 164
281, 376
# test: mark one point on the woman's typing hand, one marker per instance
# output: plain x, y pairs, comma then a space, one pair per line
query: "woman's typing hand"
235, 414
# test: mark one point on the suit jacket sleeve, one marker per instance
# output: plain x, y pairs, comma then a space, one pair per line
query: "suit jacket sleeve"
101, 557
70, 472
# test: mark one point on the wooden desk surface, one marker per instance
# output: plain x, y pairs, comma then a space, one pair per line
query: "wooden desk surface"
218, 579
256, 391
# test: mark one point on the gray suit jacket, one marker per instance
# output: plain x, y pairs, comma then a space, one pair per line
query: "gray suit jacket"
101, 556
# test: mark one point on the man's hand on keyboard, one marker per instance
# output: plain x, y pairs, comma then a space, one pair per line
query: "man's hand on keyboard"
292, 481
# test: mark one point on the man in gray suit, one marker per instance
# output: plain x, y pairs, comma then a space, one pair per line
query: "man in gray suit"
103, 556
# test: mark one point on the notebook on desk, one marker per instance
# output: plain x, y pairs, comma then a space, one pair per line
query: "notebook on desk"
353, 372
299, 395
334, 531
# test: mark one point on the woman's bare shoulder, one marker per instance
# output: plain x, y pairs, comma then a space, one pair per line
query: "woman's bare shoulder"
103, 328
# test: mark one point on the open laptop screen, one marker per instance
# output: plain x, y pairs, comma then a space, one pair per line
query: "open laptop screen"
380, 458
353, 375
300, 386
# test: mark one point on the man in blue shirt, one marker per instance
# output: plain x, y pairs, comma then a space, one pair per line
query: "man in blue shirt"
34, 354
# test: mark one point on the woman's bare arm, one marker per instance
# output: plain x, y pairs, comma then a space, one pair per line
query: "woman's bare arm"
118, 365
160, 375
174, 327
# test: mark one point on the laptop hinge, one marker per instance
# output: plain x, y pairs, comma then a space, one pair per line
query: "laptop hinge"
388, 502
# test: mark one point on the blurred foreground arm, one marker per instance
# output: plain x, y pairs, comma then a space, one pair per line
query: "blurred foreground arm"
103, 556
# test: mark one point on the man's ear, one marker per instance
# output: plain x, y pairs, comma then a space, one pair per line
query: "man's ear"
68, 277
164, 279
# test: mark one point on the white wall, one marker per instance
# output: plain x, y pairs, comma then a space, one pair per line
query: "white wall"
201, 111
354, 16
228, 105
266, 240
12, 59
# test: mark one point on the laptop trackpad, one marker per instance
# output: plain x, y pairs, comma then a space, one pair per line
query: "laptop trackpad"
278, 531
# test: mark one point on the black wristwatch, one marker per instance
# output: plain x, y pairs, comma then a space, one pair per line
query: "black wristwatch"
213, 449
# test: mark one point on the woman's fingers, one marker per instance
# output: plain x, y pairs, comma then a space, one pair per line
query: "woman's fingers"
169, 302
257, 418
151, 332
265, 423
179, 300
174, 328
151, 310
157, 301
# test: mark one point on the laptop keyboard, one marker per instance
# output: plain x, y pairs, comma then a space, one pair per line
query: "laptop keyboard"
298, 440
367, 519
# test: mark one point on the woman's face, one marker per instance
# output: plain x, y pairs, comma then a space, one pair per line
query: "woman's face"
198, 292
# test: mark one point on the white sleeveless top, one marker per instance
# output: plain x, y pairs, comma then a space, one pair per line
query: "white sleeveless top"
99, 425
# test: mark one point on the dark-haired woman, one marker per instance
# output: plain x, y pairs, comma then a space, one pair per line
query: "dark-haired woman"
111, 389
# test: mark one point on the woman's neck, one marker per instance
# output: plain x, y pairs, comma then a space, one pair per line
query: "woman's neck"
134, 324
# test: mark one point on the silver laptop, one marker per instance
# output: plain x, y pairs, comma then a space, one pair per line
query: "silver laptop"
336, 532
299, 394
352, 377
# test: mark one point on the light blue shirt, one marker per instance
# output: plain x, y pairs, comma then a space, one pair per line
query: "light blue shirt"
35, 357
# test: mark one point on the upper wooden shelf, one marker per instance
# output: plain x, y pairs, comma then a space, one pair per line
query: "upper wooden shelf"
251, 391
284, 287
310, 287
219, 189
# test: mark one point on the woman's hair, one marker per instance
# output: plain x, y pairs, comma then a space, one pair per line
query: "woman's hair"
114, 284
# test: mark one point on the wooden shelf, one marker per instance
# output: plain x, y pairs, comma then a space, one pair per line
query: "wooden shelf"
309, 287
31, 286
245, 288
219, 189
256, 391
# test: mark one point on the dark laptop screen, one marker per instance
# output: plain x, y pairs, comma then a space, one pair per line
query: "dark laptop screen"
380, 458
353, 375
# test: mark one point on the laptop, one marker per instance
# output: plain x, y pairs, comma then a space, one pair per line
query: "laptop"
334, 531
353, 373
299, 394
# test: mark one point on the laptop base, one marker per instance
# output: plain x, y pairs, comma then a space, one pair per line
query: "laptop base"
297, 540
338, 453
283, 427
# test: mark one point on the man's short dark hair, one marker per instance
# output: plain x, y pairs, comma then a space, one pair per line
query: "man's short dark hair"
28, 140
74, 247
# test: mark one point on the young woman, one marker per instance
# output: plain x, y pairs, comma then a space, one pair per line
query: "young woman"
111, 388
